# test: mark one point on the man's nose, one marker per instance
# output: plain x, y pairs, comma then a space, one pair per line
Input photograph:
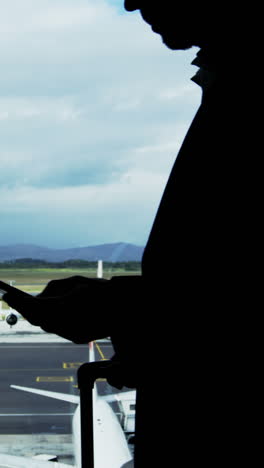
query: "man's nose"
131, 5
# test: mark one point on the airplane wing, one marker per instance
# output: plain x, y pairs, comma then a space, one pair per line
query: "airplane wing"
12, 461
110, 445
57, 395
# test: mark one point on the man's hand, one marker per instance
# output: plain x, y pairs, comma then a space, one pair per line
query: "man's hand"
61, 287
74, 308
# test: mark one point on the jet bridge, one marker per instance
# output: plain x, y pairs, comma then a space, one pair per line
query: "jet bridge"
127, 411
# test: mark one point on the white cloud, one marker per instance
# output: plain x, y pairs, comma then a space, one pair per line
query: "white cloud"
134, 187
49, 15
93, 109
44, 108
182, 92
87, 214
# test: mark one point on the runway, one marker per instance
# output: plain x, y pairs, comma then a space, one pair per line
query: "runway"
48, 366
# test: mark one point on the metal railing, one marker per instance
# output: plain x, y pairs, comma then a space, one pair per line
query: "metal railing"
87, 374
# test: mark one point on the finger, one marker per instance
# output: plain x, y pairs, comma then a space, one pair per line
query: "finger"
6, 287
13, 293
52, 289
13, 296
62, 286
22, 302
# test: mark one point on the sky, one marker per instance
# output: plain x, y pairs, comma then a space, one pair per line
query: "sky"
93, 110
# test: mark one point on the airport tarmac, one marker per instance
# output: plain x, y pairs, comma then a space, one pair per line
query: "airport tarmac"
23, 330
32, 358
45, 366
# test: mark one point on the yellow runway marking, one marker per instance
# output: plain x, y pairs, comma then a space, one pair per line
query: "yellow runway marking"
71, 365
51, 369
54, 379
103, 358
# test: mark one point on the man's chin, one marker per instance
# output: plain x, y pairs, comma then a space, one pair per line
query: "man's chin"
176, 44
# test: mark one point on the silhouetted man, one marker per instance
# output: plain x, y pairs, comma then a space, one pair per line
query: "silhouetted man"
179, 329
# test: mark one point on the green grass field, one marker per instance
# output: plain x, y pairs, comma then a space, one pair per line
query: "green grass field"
34, 280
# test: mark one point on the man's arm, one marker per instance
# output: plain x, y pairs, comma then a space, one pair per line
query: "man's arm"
79, 309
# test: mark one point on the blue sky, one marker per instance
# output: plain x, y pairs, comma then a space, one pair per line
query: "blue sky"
93, 110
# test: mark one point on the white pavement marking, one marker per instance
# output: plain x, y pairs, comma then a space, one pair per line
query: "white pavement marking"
10, 415
25, 332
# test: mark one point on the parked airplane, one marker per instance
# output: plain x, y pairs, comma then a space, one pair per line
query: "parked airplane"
110, 444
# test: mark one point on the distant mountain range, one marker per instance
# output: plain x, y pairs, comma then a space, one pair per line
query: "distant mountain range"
117, 252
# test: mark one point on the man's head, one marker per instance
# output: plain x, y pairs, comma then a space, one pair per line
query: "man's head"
172, 20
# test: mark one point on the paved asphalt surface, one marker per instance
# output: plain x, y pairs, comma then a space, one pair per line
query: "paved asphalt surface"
48, 366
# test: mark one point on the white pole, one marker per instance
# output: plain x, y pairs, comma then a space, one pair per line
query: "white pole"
100, 269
